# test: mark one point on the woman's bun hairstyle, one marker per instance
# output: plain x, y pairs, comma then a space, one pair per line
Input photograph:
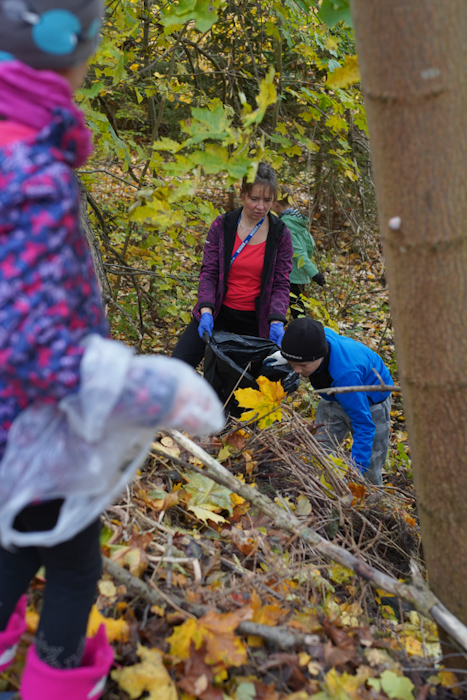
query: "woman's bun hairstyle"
265, 177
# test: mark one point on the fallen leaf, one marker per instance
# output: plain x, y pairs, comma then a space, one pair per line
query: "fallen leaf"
303, 506
358, 492
264, 403
107, 588
265, 614
236, 439
245, 541
149, 675
205, 515
32, 621
413, 646
203, 491
166, 446
224, 453
116, 630
217, 632
133, 557
245, 691
395, 686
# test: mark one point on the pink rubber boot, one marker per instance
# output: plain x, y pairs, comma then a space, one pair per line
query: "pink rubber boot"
43, 682
9, 639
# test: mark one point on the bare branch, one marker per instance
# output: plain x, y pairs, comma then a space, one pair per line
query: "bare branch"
417, 594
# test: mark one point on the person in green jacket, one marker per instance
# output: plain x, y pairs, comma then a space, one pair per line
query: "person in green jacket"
303, 268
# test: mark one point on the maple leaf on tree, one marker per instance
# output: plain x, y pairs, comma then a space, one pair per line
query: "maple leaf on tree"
348, 74
265, 403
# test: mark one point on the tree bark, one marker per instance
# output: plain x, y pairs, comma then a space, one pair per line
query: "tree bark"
412, 58
93, 244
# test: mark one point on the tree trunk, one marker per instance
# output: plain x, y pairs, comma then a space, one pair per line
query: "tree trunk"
93, 244
413, 58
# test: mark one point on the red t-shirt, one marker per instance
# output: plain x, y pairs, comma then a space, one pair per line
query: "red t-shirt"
244, 278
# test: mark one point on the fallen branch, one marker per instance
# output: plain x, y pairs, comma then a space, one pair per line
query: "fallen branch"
417, 594
350, 389
281, 636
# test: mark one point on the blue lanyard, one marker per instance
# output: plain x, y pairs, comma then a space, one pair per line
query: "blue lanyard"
247, 240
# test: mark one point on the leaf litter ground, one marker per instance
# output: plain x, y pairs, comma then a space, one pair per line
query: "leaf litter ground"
204, 596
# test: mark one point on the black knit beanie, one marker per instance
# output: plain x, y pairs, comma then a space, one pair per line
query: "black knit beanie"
304, 341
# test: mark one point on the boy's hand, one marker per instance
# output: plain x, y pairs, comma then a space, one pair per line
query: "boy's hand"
275, 360
320, 279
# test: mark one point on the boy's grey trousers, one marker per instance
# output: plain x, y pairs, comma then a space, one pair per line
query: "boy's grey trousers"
337, 425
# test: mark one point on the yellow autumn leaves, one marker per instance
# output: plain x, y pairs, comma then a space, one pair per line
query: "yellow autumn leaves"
264, 404
214, 634
149, 675
217, 632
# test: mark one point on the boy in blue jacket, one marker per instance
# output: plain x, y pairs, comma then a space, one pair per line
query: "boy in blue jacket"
332, 360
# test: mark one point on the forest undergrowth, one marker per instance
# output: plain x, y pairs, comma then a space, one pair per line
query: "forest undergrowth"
205, 595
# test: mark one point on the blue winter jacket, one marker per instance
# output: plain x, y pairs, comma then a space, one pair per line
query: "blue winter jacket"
351, 364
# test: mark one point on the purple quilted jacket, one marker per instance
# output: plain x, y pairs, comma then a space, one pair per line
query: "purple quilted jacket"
273, 300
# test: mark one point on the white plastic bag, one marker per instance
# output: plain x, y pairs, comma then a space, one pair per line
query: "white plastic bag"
86, 448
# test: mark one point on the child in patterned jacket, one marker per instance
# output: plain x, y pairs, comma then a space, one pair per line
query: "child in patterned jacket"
77, 410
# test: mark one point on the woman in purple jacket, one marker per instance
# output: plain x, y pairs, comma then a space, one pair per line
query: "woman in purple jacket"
244, 281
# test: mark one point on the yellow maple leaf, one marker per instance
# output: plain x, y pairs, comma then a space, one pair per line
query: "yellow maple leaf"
346, 75
217, 632
133, 557
342, 686
264, 403
448, 680
116, 630
32, 621
413, 646
206, 513
150, 675
267, 96
264, 615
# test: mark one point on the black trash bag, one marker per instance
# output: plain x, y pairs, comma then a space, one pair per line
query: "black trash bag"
228, 354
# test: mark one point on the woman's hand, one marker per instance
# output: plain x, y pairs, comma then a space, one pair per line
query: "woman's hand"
276, 332
206, 323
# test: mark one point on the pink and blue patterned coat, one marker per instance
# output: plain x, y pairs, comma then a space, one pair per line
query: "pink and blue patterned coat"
49, 296
273, 300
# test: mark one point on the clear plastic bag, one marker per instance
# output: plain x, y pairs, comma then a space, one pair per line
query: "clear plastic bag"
86, 448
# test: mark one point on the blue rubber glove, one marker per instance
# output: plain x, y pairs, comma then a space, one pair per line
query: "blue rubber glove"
206, 324
276, 332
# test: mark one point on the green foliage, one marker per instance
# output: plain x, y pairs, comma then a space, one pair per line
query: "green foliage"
202, 12
334, 11
175, 110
